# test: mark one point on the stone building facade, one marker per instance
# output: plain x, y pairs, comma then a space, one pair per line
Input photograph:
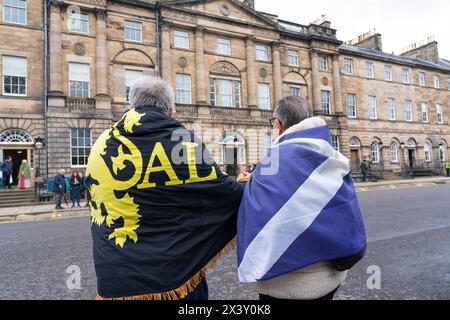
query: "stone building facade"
229, 65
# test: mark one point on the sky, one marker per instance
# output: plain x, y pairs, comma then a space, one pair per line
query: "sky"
400, 22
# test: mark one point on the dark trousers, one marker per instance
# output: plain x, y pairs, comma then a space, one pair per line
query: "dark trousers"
448, 172
200, 293
6, 178
58, 198
328, 296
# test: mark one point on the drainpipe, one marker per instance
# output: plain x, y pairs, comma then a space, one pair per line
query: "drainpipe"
46, 44
158, 37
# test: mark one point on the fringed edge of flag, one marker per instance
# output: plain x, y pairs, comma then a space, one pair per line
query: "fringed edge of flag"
189, 286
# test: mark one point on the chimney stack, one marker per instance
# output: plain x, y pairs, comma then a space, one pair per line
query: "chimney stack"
426, 50
371, 40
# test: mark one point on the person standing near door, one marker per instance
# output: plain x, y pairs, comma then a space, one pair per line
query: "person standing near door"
24, 176
7, 168
447, 168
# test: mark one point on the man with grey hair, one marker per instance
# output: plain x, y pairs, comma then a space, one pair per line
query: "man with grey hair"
162, 210
300, 228
59, 185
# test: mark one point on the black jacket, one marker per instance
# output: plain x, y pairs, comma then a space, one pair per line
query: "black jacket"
6, 167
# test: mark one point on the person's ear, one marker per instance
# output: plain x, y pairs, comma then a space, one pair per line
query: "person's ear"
170, 113
279, 127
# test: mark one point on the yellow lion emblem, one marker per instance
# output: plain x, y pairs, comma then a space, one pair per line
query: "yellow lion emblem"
103, 190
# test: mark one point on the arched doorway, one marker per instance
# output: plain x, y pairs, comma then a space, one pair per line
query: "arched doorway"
355, 154
411, 146
18, 144
232, 149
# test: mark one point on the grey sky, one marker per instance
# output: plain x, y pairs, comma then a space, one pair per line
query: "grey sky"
401, 22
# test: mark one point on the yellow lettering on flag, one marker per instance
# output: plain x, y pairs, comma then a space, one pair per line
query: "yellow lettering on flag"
193, 174
158, 152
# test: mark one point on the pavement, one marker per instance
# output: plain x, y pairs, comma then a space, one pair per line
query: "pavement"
403, 183
408, 233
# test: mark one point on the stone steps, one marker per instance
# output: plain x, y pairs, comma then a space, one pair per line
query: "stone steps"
17, 198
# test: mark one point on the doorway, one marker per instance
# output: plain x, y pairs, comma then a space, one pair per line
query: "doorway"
17, 157
354, 160
411, 158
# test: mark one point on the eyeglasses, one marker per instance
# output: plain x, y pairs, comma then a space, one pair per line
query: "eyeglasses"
272, 121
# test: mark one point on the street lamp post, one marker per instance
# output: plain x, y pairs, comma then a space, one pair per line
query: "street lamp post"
39, 146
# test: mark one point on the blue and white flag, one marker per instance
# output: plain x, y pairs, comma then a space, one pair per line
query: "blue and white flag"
304, 213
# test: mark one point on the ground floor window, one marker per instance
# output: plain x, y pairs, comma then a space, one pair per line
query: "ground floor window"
375, 152
80, 146
394, 152
427, 152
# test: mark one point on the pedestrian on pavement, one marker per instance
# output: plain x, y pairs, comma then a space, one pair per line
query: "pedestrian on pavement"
75, 189
84, 189
365, 167
24, 176
447, 168
7, 169
60, 188
160, 219
300, 227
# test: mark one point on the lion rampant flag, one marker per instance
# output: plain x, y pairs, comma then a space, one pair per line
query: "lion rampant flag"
162, 211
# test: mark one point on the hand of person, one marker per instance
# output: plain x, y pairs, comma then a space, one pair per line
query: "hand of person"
243, 177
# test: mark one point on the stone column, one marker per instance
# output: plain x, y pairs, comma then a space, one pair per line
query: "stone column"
101, 53
200, 66
277, 78
251, 72
56, 80
317, 101
337, 85
165, 52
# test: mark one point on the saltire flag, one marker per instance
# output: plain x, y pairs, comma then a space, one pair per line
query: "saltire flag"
304, 213
162, 210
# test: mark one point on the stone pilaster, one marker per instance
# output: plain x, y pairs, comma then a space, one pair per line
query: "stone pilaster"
102, 98
277, 77
55, 49
165, 52
200, 66
337, 85
317, 101
251, 72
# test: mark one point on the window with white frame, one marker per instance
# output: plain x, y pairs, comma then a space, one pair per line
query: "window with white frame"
348, 66
133, 31
323, 63
370, 70
15, 11
130, 77
388, 72
183, 89
394, 152
424, 107
237, 94
422, 79
79, 80
326, 102
294, 91
442, 152
391, 109
427, 151
261, 52
269, 140
80, 146
351, 102
78, 22
181, 39
437, 81
405, 76
223, 46
225, 93
375, 152
409, 111
264, 96
336, 143
14, 76
373, 112
440, 115
293, 59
